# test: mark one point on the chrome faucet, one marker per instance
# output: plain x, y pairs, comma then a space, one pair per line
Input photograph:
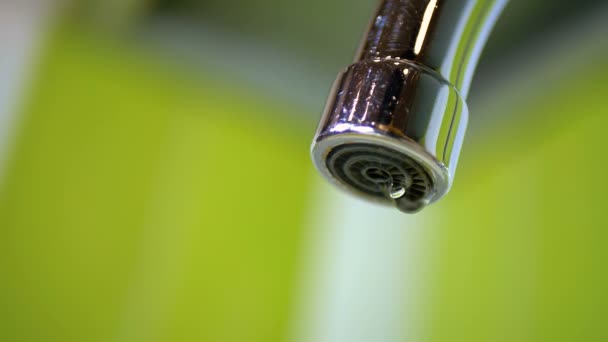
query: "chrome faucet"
394, 124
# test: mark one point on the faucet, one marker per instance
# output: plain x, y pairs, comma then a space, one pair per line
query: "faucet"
394, 123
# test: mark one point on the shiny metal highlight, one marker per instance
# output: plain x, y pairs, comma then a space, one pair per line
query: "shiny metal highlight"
403, 101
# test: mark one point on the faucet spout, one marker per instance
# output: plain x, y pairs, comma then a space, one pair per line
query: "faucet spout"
400, 107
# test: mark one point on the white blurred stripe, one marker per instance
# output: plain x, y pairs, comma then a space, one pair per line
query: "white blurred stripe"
364, 272
22, 24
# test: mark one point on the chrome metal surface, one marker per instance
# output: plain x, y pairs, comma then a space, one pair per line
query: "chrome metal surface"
405, 95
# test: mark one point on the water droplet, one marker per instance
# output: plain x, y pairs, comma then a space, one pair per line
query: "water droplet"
407, 206
396, 191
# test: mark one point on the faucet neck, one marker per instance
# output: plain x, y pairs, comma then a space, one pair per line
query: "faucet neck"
444, 35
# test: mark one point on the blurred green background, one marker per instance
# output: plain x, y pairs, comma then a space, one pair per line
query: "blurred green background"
158, 186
